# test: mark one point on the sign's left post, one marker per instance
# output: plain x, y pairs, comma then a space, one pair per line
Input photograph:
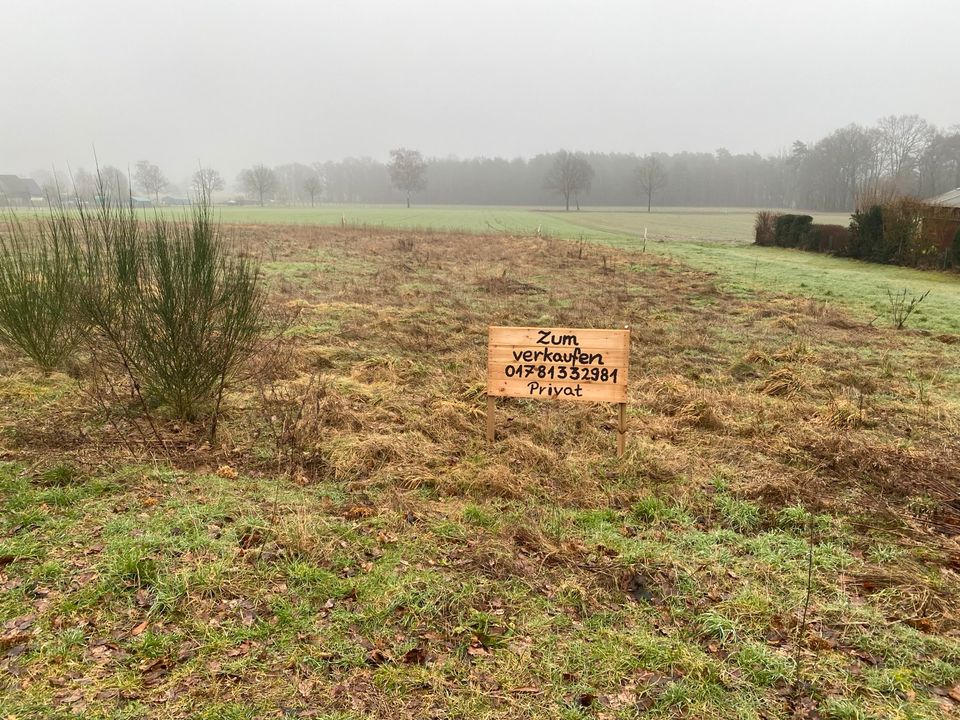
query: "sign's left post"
491, 419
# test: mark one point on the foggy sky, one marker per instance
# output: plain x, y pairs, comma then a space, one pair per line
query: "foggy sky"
228, 83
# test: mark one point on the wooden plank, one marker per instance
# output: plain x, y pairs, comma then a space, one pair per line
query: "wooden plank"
621, 429
592, 374
491, 420
503, 354
532, 337
557, 390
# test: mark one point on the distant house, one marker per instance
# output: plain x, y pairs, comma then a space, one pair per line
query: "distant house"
171, 200
36, 192
942, 218
949, 199
18, 191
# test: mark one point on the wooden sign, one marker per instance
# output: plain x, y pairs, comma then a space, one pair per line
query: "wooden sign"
558, 364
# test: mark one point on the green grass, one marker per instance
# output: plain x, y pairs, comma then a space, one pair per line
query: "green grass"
711, 224
397, 614
860, 286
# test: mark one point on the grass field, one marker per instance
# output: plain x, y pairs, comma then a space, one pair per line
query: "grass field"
713, 239
691, 224
779, 541
717, 240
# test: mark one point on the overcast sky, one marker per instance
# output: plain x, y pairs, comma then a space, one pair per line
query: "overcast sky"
228, 83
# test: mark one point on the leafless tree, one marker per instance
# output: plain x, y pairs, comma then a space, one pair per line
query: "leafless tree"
954, 154
408, 171
939, 166
313, 186
290, 188
149, 178
570, 175
903, 140
84, 186
205, 182
651, 177
114, 188
258, 180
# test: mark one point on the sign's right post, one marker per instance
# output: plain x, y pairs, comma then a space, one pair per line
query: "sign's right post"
622, 430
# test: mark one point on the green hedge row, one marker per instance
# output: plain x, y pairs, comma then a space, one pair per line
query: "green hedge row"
799, 231
904, 232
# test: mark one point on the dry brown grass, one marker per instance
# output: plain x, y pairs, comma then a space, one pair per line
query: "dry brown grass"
376, 395
381, 379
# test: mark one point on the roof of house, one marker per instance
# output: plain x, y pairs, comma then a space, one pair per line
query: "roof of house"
32, 187
948, 199
12, 186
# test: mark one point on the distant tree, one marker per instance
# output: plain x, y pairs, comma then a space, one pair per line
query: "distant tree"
953, 139
313, 186
940, 164
903, 139
290, 183
113, 186
149, 178
407, 171
356, 180
651, 177
53, 184
205, 182
571, 176
258, 180
84, 186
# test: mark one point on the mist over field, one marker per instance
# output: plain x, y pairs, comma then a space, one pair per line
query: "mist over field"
227, 84
504, 360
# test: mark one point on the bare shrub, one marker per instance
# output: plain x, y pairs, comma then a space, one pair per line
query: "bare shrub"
764, 227
901, 307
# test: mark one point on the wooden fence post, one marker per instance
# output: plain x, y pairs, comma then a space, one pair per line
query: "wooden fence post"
622, 430
491, 420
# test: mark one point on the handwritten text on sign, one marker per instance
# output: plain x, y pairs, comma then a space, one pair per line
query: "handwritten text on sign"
558, 363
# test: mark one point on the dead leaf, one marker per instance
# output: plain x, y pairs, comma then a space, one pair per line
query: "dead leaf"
358, 512
138, 630
586, 699
378, 657
415, 656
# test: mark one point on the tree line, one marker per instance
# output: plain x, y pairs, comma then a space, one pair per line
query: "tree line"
899, 155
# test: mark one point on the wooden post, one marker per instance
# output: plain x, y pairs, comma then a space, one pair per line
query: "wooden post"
622, 430
491, 420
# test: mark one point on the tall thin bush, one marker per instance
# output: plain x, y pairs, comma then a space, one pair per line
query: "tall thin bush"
37, 291
174, 308
200, 314
166, 304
